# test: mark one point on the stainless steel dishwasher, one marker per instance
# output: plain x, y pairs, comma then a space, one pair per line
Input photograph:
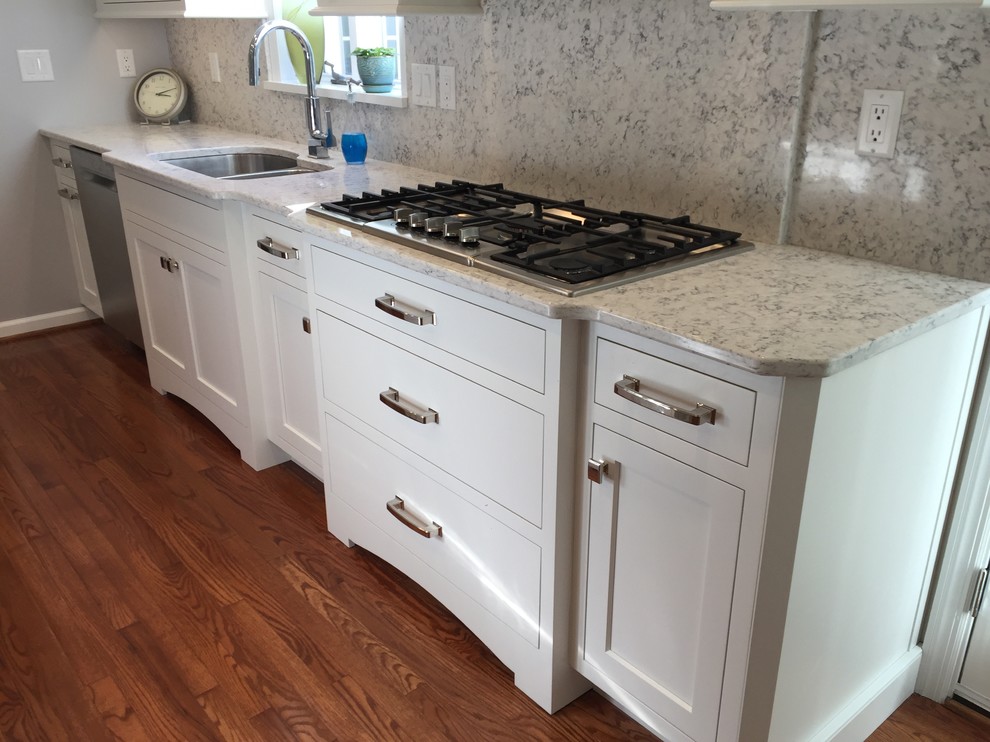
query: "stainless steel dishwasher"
107, 243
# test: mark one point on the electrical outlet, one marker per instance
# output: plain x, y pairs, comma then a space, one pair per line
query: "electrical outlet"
424, 80
214, 67
446, 81
125, 63
878, 122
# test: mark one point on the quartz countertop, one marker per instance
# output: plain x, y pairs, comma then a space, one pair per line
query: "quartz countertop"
778, 310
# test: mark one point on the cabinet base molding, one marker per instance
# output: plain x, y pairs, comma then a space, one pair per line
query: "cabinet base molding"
49, 321
257, 453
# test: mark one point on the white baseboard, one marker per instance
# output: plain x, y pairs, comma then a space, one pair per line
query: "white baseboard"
22, 326
868, 710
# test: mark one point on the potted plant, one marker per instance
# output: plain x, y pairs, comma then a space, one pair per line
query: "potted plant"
376, 68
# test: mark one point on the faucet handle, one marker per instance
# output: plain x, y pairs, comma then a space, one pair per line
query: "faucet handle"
331, 140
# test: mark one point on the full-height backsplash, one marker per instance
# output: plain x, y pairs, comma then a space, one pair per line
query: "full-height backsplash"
671, 107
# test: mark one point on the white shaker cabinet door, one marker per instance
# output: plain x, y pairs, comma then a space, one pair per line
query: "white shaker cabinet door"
291, 394
661, 562
159, 292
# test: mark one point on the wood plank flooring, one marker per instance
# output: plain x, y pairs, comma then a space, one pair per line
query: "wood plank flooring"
154, 587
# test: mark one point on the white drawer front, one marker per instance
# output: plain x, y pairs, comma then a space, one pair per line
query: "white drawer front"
275, 243
504, 345
486, 440
179, 213
490, 562
728, 436
62, 157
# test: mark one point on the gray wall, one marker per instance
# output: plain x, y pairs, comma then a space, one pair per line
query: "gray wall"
36, 275
672, 107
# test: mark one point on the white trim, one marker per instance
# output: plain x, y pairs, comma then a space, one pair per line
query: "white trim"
395, 99
967, 549
868, 710
24, 325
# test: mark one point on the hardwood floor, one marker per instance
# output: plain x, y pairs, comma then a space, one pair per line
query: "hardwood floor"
154, 587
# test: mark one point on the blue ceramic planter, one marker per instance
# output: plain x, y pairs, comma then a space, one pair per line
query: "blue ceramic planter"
376, 73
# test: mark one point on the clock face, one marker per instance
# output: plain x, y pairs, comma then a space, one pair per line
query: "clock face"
160, 95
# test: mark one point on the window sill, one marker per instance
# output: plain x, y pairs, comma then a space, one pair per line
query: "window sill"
395, 99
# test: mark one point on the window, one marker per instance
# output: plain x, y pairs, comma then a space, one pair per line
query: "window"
342, 34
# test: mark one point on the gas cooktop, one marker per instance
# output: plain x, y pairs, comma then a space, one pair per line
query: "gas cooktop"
563, 246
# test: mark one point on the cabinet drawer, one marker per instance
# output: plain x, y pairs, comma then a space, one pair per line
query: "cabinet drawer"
367, 477
62, 158
728, 436
276, 244
504, 345
180, 214
485, 440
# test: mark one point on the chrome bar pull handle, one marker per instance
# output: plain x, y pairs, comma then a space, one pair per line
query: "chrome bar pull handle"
172, 265
390, 306
978, 591
628, 388
391, 400
59, 162
271, 247
599, 470
397, 507
307, 326
67, 194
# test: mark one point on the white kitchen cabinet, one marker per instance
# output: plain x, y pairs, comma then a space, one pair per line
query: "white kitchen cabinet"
193, 322
762, 574
285, 343
662, 543
183, 8
450, 454
774, 6
82, 259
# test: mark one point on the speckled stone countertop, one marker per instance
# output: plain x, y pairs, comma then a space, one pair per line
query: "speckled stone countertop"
775, 310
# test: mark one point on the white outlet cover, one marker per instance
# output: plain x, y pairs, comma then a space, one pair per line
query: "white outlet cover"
36, 65
894, 99
446, 85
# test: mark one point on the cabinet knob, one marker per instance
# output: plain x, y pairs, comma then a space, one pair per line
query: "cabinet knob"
307, 326
599, 470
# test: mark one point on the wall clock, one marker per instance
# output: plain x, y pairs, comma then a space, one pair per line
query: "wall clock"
160, 95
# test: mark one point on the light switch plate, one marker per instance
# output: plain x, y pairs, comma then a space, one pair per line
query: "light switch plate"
36, 65
446, 84
424, 85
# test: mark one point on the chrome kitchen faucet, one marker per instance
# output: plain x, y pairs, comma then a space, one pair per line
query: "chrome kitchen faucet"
319, 141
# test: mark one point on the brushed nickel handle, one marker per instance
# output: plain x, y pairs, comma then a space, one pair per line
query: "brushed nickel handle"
271, 247
59, 162
598, 470
307, 326
66, 193
172, 265
628, 388
163, 262
391, 400
390, 306
397, 507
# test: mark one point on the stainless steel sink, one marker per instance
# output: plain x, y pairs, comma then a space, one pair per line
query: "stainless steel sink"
240, 165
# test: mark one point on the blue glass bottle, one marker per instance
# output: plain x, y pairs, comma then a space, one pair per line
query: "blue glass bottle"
354, 145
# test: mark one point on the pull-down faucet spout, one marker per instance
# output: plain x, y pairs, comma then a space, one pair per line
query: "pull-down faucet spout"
320, 140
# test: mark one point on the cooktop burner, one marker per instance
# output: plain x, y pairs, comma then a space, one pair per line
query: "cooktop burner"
565, 246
